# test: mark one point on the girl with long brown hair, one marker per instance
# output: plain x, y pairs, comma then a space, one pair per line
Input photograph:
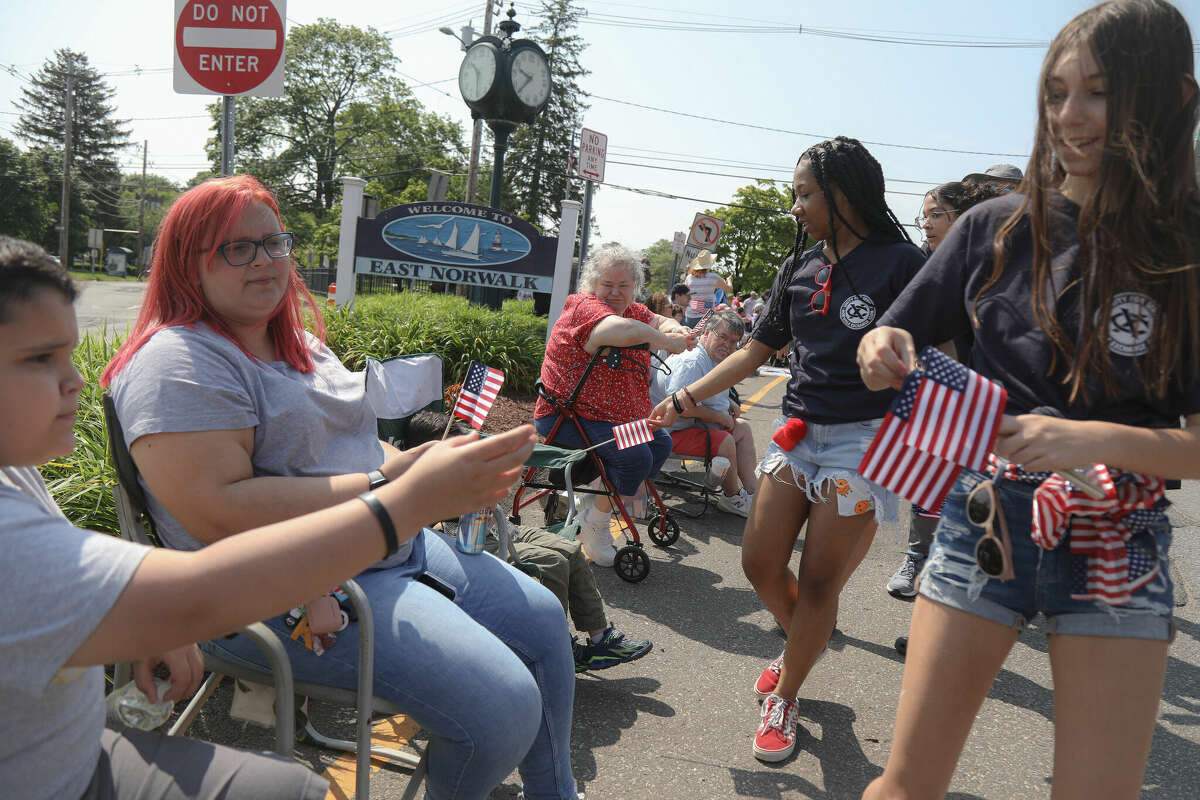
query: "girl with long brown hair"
1081, 290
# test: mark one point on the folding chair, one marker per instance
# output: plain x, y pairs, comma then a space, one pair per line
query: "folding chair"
133, 517
685, 482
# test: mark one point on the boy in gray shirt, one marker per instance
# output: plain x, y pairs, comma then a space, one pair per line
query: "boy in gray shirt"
80, 599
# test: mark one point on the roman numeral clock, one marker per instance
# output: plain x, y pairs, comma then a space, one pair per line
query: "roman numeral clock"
505, 83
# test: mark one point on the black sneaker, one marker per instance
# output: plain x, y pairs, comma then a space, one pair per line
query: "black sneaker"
581, 655
613, 648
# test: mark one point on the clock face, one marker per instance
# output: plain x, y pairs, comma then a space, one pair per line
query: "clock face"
530, 77
478, 72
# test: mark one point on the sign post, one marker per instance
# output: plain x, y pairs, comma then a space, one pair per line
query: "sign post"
593, 148
703, 235
676, 248
229, 48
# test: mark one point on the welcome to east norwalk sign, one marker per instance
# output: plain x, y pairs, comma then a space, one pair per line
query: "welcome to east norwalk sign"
455, 243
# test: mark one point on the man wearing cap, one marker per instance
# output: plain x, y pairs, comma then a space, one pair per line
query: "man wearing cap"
1004, 177
703, 284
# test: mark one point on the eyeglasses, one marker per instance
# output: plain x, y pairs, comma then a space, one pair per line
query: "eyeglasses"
243, 251
993, 554
933, 216
824, 278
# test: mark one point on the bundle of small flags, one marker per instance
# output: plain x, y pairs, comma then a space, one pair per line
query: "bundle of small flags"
945, 417
632, 433
479, 391
698, 328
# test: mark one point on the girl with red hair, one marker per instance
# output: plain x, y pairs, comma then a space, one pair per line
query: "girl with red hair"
238, 417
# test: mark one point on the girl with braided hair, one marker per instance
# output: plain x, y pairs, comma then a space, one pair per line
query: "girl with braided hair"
823, 301
1083, 292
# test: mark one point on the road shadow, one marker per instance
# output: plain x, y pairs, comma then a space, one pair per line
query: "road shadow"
604, 709
713, 613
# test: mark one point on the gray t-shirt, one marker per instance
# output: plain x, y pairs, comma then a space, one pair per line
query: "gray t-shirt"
305, 424
60, 582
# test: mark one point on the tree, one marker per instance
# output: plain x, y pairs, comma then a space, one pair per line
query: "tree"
662, 259
759, 232
535, 166
97, 137
344, 111
25, 184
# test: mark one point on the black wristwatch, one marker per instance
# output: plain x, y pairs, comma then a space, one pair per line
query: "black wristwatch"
375, 479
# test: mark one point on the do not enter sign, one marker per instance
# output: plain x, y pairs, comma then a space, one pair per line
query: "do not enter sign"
229, 47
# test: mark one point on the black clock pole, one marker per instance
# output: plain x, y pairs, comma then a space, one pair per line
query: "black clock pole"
500, 130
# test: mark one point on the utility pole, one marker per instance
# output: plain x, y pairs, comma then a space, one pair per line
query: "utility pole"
65, 204
477, 127
142, 208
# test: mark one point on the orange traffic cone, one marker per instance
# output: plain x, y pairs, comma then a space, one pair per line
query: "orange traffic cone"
332, 291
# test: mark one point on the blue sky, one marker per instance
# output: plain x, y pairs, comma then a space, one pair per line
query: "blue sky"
949, 98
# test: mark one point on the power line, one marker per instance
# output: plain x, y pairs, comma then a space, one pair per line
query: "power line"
804, 133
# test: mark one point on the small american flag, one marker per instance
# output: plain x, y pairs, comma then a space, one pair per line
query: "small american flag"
632, 433
479, 391
698, 328
944, 418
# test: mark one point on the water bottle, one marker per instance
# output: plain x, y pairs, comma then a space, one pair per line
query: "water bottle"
130, 706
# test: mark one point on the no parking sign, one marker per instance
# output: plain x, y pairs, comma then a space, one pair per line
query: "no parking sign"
229, 47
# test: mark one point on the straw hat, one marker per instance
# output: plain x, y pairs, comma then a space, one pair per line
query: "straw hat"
703, 260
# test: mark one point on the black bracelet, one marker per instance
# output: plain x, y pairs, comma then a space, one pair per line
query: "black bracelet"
689, 397
675, 402
384, 519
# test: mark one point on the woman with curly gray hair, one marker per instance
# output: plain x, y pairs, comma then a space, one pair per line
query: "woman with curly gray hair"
604, 313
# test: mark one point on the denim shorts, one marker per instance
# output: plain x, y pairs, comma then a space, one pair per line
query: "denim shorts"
1043, 577
827, 458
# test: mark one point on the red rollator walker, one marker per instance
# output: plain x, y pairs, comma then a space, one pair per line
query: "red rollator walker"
552, 470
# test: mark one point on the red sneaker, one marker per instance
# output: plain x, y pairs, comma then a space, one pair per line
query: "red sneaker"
776, 737
769, 679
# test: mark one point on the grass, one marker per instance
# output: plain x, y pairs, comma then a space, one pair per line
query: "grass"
82, 482
99, 275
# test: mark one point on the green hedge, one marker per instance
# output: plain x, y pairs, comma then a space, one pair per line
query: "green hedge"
511, 339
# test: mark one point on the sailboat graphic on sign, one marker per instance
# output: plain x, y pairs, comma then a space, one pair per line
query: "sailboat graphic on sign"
470, 248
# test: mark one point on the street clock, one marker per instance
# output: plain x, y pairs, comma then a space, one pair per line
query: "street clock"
503, 81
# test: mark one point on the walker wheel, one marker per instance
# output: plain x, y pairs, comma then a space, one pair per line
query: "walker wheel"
663, 531
632, 564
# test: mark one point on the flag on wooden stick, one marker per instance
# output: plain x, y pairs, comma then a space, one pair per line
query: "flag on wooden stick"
632, 433
945, 418
479, 391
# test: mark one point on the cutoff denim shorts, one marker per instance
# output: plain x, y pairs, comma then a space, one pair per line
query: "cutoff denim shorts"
1043, 577
827, 458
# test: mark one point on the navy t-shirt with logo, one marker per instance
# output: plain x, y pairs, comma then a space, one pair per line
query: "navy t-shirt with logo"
825, 386
1010, 346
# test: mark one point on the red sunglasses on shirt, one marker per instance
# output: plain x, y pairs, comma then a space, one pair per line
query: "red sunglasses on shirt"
823, 279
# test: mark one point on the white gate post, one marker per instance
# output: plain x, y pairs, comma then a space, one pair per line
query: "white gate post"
567, 226
352, 200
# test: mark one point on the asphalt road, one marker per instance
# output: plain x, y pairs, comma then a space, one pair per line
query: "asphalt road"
679, 722
108, 306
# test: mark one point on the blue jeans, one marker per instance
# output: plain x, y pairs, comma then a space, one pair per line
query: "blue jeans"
1044, 578
626, 468
490, 676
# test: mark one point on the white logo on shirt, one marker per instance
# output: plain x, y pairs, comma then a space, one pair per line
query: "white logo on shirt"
857, 312
1131, 323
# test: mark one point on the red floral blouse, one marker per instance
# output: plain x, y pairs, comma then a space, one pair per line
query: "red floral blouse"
609, 395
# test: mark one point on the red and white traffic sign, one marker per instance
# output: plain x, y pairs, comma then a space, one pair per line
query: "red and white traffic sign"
706, 230
229, 47
593, 148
